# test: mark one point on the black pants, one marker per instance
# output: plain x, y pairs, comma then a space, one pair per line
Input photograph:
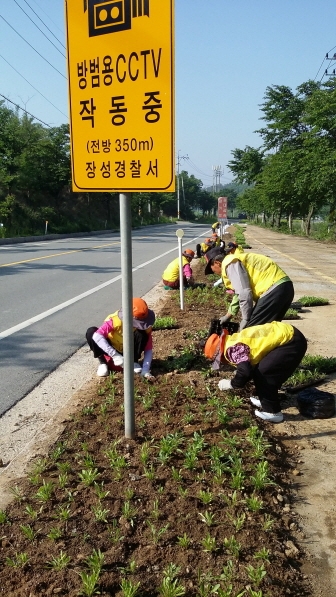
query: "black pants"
273, 306
275, 368
140, 341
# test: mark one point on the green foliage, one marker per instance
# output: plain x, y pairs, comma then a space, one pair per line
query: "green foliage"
313, 301
320, 364
164, 323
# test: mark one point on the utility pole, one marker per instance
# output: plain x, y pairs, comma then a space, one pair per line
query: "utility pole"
217, 173
332, 74
179, 157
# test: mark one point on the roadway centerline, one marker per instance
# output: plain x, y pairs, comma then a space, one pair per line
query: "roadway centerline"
59, 254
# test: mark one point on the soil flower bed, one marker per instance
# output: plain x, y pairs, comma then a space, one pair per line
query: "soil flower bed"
196, 505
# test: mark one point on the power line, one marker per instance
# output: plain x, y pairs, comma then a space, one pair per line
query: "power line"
33, 86
27, 15
27, 42
322, 64
24, 110
46, 26
40, 7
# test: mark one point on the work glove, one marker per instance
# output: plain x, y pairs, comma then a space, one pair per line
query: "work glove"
137, 368
225, 384
118, 360
225, 318
218, 283
242, 324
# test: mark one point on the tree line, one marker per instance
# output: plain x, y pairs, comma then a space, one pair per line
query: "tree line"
292, 174
35, 186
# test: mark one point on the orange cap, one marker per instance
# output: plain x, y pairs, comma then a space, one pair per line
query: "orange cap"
189, 253
140, 308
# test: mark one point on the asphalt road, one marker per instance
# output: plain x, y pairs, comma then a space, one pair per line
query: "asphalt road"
52, 291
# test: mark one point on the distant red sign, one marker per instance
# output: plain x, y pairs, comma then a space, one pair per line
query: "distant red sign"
222, 208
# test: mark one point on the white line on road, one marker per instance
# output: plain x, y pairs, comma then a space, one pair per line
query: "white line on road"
28, 322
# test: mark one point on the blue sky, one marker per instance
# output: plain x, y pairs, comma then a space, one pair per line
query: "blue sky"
227, 53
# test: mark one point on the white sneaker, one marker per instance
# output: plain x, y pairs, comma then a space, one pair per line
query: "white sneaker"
102, 370
270, 417
255, 401
137, 368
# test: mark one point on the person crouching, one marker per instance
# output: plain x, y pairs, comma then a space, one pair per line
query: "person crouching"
267, 354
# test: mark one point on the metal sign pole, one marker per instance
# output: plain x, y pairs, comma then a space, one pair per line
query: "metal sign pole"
180, 235
127, 308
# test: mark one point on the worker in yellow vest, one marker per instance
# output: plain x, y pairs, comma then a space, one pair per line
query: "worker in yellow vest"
106, 342
171, 275
264, 290
215, 227
205, 246
266, 354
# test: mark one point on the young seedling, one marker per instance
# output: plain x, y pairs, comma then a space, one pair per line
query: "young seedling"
176, 474
40, 466
130, 569
183, 492
262, 554
129, 589
63, 480
228, 572
100, 513
238, 521
184, 541
3, 517
17, 493
149, 472
89, 583
115, 532
257, 574
261, 479
254, 504
129, 512
35, 478
268, 523
209, 543
62, 513
58, 451
206, 497
54, 534
63, 467
171, 588
59, 562
88, 410
28, 531
208, 518
157, 533
99, 490
89, 476
95, 561
237, 480
232, 546
144, 453
19, 560
45, 492
155, 512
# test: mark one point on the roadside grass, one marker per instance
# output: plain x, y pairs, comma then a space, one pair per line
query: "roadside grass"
313, 301
164, 323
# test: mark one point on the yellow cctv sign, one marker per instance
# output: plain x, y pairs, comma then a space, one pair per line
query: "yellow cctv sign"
121, 94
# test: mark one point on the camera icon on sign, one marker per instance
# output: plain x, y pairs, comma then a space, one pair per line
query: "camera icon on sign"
110, 16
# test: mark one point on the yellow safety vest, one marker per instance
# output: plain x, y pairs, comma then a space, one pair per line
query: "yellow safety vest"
116, 337
262, 271
261, 339
205, 247
172, 271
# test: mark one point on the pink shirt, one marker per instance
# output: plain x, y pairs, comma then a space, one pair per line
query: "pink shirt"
107, 328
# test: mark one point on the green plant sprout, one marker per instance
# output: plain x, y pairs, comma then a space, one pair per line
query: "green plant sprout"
115, 532
176, 474
95, 561
184, 541
253, 503
3, 517
17, 493
63, 480
99, 490
54, 533
262, 554
237, 521
261, 479
29, 532
164, 323
62, 513
257, 574
59, 562
128, 588
206, 497
268, 523
45, 492
89, 583
208, 518
19, 560
171, 588
100, 513
144, 453
156, 533
209, 543
89, 476
232, 546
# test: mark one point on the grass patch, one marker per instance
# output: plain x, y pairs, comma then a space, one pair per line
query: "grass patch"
164, 323
313, 301
320, 364
292, 314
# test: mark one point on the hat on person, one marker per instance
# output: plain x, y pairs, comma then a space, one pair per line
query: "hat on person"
189, 253
143, 318
211, 255
232, 245
208, 242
